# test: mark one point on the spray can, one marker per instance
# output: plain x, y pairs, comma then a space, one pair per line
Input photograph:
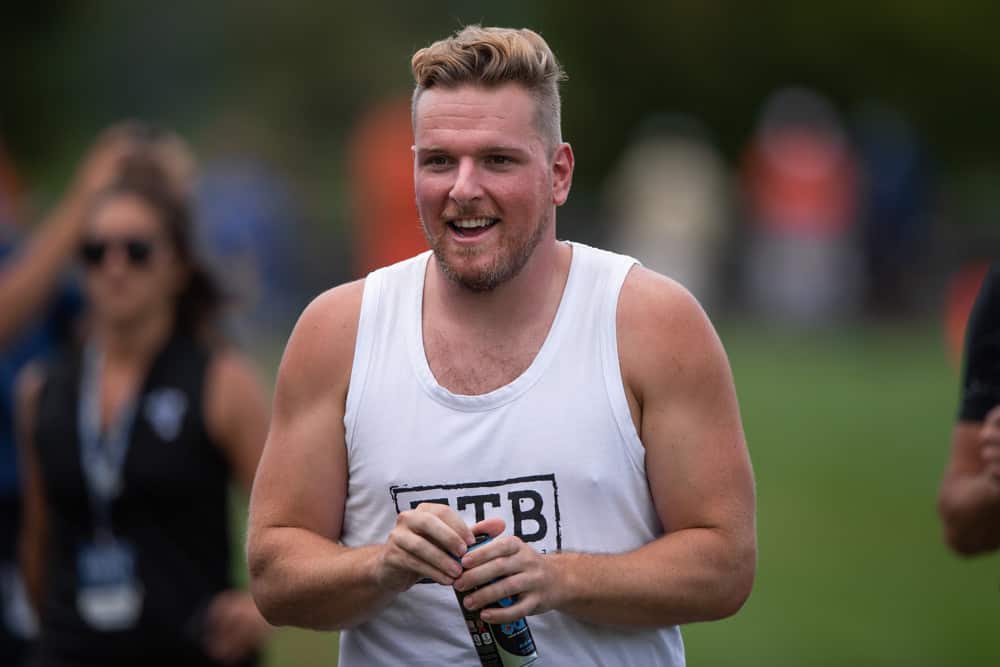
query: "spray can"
500, 644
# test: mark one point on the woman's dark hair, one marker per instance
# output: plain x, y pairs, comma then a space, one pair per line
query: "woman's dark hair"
201, 300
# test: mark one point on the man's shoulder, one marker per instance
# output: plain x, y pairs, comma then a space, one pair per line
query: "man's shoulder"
650, 298
662, 329
336, 303
325, 333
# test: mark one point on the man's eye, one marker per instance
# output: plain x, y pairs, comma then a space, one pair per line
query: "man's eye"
499, 160
436, 161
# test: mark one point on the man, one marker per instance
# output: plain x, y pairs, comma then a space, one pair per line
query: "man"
969, 501
576, 407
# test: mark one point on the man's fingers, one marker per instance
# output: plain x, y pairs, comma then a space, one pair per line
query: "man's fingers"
525, 606
507, 593
483, 574
507, 546
491, 527
428, 565
439, 525
453, 520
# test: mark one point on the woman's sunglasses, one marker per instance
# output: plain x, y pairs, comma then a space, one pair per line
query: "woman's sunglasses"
137, 251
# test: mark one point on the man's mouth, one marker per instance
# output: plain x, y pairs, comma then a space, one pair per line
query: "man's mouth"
471, 226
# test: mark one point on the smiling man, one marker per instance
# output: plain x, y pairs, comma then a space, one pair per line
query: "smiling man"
562, 399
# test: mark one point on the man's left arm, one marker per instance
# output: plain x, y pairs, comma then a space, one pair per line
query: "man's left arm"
683, 400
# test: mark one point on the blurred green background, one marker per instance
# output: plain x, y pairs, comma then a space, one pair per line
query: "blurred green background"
848, 421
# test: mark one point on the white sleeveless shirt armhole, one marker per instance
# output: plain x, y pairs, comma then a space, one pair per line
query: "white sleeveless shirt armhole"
611, 361
365, 341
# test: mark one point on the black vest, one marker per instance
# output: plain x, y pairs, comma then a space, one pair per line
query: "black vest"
173, 510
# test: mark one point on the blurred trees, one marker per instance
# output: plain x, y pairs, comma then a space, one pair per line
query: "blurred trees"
305, 68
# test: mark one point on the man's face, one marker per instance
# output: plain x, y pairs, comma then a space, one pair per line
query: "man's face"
486, 183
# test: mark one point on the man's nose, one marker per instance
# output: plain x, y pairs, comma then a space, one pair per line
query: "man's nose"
467, 186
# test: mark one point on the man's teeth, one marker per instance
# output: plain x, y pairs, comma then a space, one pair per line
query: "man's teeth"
473, 223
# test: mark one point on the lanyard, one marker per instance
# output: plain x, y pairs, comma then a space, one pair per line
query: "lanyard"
101, 459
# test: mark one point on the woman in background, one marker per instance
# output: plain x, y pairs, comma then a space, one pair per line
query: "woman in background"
129, 444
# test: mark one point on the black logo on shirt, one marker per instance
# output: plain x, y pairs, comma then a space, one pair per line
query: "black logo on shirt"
529, 505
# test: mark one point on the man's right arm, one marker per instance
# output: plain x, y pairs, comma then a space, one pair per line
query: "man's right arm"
299, 574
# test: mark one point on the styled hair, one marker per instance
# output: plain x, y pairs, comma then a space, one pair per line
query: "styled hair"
492, 57
200, 302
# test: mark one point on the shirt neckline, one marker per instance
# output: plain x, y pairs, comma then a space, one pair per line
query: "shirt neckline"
517, 386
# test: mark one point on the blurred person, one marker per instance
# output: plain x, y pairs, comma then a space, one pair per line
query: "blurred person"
969, 499
571, 404
671, 200
129, 442
29, 277
382, 189
961, 293
896, 209
40, 306
801, 182
17, 623
249, 227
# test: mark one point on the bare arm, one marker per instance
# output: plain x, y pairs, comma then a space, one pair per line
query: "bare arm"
300, 574
969, 499
683, 399
237, 413
27, 280
33, 540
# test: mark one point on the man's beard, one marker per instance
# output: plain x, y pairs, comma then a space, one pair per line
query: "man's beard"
512, 256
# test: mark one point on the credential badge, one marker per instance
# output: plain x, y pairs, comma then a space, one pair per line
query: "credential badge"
164, 410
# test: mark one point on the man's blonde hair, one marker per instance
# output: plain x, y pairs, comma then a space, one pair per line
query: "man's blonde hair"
491, 57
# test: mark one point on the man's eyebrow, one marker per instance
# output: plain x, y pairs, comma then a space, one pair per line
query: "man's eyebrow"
503, 148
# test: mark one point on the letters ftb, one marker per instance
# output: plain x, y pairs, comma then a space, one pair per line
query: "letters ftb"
529, 505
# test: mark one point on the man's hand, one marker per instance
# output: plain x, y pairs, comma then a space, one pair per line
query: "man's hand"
426, 542
505, 568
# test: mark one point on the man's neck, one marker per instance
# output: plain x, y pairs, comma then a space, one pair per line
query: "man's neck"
534, 292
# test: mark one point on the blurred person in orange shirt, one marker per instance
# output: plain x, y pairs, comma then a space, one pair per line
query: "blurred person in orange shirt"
382, 184
801, 184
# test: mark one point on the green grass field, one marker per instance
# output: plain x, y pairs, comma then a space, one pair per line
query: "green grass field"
849, 434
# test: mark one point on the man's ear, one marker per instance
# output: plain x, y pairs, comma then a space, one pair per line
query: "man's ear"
562, 173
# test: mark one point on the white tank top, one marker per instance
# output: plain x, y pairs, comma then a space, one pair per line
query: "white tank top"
554, 453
